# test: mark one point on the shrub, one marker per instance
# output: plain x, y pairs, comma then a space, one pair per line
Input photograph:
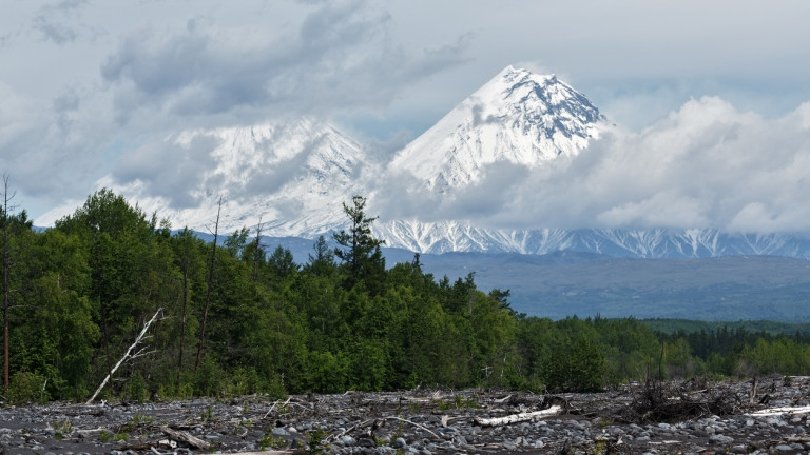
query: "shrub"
26, 387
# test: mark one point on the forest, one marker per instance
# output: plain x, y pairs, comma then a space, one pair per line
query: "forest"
231, 318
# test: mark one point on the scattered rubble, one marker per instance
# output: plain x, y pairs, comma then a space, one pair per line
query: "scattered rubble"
721, 417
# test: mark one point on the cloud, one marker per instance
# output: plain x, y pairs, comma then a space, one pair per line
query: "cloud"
340, 58
122, 84
175, 170
35, 136
707, 165
58, 22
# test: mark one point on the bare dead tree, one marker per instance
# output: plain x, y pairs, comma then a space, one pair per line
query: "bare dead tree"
186, 265
257, 250
5, 217
131, 354
211, 277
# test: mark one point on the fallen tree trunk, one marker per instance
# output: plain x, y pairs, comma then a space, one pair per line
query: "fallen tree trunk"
780, 411
267, 452
522, 417
129, 355
193, 441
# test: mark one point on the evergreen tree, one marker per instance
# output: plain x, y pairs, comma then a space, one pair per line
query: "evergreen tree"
322, 259
361, 252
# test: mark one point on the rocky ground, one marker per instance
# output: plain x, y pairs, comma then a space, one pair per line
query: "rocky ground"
690, 417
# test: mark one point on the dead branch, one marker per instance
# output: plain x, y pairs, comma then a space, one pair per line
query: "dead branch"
128, 355
90, 433
363, 423
421, 427
274, 407
660, 401
267, 452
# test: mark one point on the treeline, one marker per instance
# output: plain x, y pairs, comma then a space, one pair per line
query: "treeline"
237, 319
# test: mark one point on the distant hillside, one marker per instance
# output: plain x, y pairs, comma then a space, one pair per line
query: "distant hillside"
561, 284
671, 326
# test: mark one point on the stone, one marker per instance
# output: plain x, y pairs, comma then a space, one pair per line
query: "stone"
366, 442
721, 439
347, 440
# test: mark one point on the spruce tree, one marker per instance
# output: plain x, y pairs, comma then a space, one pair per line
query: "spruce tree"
361, 252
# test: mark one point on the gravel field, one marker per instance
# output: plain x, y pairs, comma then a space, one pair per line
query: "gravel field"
428, 422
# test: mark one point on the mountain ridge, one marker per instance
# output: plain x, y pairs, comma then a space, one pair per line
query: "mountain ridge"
294, 175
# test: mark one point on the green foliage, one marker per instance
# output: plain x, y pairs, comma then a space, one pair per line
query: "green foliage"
577, 365
328, 373
315, 441
361, 253
209, 378
27, 387
135, 389
271, 441
81, 292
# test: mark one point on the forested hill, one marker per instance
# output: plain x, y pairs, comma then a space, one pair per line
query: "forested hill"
238, 320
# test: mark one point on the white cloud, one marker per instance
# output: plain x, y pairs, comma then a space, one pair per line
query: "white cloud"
85, 85
707, 165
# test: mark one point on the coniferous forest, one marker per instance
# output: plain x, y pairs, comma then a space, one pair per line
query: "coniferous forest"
235, 319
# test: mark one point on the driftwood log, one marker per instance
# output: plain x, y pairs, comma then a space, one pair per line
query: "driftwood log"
193, 441
780, 411
521, 417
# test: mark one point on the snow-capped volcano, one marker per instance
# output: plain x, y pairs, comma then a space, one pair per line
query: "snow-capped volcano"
518, 116
293, 175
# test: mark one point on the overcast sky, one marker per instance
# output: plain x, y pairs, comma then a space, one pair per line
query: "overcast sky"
84, 83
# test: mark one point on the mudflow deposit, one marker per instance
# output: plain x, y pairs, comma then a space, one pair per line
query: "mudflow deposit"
767, 415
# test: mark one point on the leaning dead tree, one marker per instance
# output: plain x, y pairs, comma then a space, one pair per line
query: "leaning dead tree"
131, 354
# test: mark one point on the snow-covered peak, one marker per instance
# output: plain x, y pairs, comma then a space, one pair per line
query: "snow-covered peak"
292, 175
517, 116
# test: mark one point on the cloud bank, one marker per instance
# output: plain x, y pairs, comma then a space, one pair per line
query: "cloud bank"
340, 57
707, 165
101, 99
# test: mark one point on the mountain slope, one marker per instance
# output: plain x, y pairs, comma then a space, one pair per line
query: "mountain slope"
568, 283
293, 175
518, 116
453, 236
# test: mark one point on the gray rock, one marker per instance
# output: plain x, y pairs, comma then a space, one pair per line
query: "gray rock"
366, 442
721, 439
399, 443
347, 440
